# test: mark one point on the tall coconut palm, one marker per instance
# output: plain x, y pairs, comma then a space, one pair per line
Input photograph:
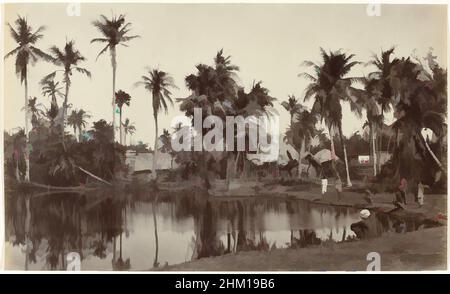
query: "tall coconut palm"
114, 32
420, 103
25, 53
367, 100
77, 120
122, 98
158, 83
68, 58
128, 128
382, 90
329, 86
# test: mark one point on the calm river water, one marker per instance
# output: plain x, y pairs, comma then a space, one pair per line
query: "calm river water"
129, 232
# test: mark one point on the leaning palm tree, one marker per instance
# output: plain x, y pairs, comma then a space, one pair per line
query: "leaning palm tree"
329, 86
25, 52
122, 98
128, 128
158, 83
114, 33
68, 59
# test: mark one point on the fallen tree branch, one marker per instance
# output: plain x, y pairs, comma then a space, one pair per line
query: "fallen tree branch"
49, 187
94, 176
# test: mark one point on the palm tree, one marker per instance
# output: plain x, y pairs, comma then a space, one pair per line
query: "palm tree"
68, 59
25, 52
129, 128
301, 132
72, 122
420, 103
292, 106
166, 145
35, 110
77, 120
381, 88
214, 90
52, 90
256, 103
367, 100
122, 98
329, 85
114, 32
158, 83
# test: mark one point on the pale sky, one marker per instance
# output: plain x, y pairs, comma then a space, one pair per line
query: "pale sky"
267, 42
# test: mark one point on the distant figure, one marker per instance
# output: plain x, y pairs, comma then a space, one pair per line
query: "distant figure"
362, 229
292, 163
400, 194
420, 193
324, 164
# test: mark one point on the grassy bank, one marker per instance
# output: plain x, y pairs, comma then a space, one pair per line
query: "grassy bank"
419, 250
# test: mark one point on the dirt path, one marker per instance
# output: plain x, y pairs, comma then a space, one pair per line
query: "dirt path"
419, 250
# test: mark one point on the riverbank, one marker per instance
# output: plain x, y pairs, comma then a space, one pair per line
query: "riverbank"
434, 208
419, 250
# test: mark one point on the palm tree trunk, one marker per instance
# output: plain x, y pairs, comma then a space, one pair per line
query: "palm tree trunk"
374, 152
380, 145
54, 102
27, 136
300, 156
120, 125
333, 152
341, 137
64, 113
80, 137
155, 147
113, 104
75, 132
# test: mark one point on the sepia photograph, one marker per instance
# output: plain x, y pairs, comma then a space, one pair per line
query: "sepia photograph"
224, 137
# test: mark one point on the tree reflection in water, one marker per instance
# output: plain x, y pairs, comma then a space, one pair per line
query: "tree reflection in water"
45, 228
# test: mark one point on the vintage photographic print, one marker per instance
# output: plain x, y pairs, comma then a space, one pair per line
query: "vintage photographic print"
224, 137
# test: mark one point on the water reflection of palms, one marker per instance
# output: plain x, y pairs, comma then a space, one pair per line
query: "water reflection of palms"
120, 264
155, 261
